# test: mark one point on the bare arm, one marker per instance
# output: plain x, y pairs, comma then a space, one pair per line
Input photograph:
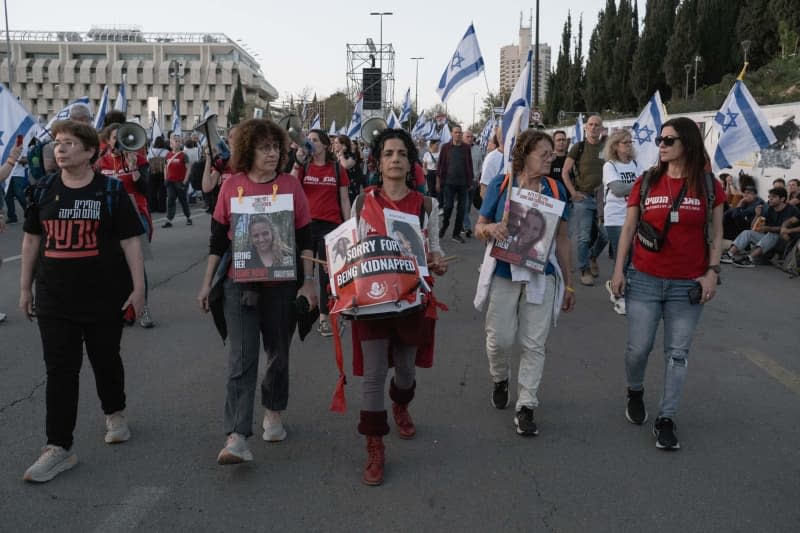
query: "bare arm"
564, 256
344, 200
30, 253
132, 248
624, 248
208, 277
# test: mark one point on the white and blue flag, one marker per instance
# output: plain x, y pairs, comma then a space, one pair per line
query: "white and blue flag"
517, 113
420, 127
445, 136
121, 103
100, 116
155, 127
315, 124
14, 120
392, 122
405, 114
332, 129
44, 135
577, 135
466, 63
645, 130
176, 120
354, 132
742, 126
486, 134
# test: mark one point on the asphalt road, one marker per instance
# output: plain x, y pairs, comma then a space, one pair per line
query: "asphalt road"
467, 470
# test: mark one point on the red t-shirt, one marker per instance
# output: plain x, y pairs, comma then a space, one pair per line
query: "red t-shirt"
176, 166
684, 255
114, 165
287, 184
323, 191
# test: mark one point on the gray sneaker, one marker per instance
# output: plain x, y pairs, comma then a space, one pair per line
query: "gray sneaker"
273, 426
52, 462
146, 321
117, 428
2, 317
235, 451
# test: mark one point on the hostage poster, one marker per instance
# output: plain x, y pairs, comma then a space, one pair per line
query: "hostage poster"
263, 242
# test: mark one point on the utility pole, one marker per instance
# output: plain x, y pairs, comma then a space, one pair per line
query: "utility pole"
697, 59
536, 61
416, 85
688, 68
8, 51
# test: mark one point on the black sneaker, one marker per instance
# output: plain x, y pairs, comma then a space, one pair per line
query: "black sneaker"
524, 422
188, 221
441, 232
500, 395
458, 238
744, 261
167, 224
468, 233
726, 258
635, 412
664, 432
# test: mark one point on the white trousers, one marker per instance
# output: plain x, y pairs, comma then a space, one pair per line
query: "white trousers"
509, 316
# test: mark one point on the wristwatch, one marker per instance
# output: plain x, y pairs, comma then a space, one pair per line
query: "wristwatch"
715, 268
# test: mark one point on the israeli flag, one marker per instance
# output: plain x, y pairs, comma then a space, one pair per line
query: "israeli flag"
420, 127
355, 121
742, 126
14, 120
176, 120
392, 122
315, 124
206, 111
343, 130
332, 130
121, 103
646, 129
517, 112
155, 128
466, 63
405, 114
577, 136
44, 134
445, 137
486, 134
100, 117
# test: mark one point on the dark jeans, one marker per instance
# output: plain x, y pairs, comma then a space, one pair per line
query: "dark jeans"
320, 228
454, 194
62, 342
733, 225
16, 189
269, 316
156, 194
176, 189
430, 180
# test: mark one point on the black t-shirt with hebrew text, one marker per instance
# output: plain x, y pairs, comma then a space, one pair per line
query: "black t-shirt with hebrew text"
81, 272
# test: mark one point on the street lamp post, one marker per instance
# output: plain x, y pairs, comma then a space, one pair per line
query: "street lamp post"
688, 68
8, 52
697, 59
416, 85
746, 46
380, 50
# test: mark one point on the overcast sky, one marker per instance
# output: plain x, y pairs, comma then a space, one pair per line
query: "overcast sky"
302, 43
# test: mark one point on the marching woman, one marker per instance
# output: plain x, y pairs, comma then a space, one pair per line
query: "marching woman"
81, 244
263, 309
676, 254
129, 168
404, 342
325, 182
517, 308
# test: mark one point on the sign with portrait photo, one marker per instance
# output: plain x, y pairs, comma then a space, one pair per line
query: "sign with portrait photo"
337, 242
404, 228
533, 220
263, 242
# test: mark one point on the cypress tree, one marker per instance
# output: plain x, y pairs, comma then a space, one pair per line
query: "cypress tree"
757, 24
237, 104
648, 76
718, 46
576, 76
682, 46
558, 84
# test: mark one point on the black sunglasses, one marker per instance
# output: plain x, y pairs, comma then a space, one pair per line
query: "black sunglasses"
668, 140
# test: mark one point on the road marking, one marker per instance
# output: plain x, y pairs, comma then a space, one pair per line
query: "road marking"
196, 214
132, 509
784, 376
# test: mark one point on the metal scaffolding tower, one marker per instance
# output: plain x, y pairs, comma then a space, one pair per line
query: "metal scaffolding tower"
370, 55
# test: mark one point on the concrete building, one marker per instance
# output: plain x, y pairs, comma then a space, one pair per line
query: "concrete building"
53, 68
512, 59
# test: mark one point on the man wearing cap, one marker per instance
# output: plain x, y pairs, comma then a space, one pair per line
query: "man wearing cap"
738, 219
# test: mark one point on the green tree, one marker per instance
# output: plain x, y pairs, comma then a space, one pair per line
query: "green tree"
575, 101
757, 24
236, 111
338, 108
490, 101
599, 59
647, 75
717, 43
626, 41
558, 82
682, 47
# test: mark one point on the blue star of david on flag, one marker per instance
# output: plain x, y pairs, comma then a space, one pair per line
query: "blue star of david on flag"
458, 59
731, 123
643, 134
647, 126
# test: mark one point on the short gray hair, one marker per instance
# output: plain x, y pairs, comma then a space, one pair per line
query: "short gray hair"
80, 113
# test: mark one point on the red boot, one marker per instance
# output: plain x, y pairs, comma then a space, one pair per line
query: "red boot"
405, 426
373, 472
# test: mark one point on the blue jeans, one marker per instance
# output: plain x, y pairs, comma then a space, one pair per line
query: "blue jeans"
585, 214
268, 314
649, 300
613, 233
16, 189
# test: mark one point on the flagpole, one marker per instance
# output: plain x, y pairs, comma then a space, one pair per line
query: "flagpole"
10, 53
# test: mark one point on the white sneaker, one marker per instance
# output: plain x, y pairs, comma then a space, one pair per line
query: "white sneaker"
273, 427
235, 451
52, 462
2, 317
117, 428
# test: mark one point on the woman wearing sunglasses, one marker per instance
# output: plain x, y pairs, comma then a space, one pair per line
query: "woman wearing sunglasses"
675, 267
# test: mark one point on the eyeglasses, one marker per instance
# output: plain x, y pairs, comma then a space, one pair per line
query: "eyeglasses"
267, 148
548, 155
668, 140
65, 144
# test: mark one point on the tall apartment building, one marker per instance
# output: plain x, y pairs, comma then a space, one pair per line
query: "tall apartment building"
512, 59
53, 68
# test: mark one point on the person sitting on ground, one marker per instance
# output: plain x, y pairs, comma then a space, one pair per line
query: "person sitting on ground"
793, 189
740, 218
779, 183
764, 236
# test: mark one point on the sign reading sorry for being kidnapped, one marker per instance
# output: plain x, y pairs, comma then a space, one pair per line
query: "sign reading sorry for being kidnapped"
375, 272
